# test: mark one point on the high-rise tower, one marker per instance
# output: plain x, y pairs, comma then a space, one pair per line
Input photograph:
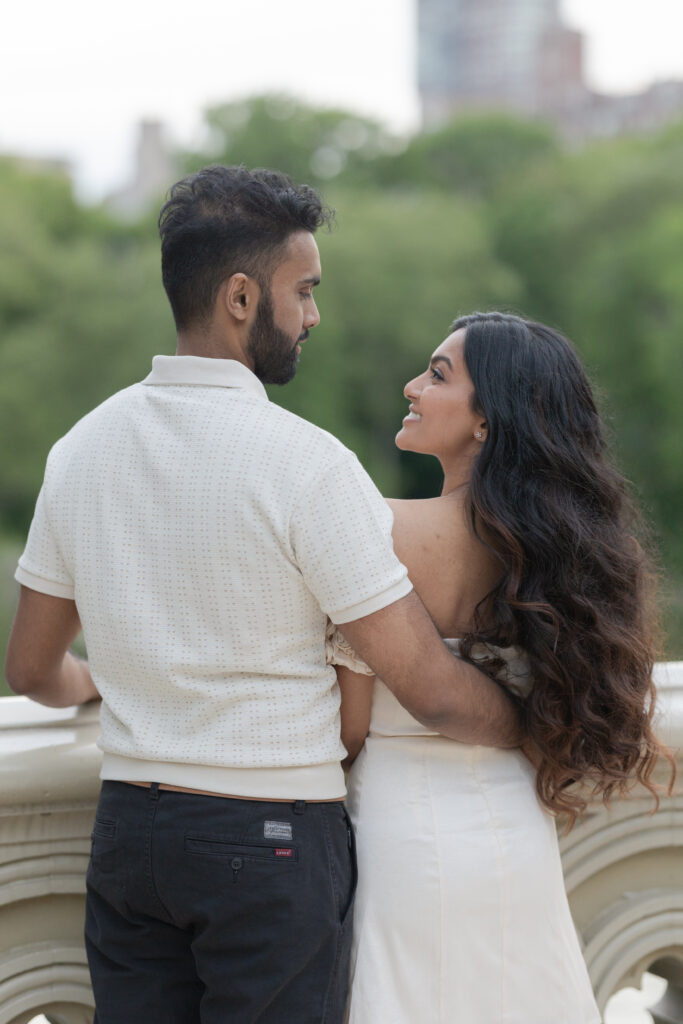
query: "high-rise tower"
496, 54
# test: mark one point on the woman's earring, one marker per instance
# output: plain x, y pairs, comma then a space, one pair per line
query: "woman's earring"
479, 434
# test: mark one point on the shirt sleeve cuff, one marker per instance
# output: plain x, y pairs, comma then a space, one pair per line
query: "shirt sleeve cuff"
373, 604
43, 586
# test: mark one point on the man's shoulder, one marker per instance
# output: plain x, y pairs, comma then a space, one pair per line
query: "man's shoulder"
290, 427
84, 427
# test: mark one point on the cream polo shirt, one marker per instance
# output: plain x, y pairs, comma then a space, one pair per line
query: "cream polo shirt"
205, 535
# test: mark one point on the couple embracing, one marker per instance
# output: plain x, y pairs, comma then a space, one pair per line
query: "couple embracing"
235, 571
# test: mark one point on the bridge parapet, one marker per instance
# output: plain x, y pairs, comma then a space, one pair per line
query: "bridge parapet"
623, 867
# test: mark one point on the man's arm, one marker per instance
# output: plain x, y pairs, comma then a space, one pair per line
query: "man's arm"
38, 663
400, 643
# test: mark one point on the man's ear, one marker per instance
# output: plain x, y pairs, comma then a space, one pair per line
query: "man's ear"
239, 296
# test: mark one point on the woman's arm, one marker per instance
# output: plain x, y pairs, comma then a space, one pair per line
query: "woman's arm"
356, 701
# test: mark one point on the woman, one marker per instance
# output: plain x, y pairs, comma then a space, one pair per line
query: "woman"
528, 558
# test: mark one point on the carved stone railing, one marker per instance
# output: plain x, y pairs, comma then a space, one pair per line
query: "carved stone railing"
49, 768
623, 868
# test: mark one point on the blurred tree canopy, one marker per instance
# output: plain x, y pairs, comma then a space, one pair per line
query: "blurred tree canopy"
485, 213
311, 145
80, 316
597, 239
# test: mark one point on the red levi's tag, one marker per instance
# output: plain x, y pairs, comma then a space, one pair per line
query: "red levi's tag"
282, 851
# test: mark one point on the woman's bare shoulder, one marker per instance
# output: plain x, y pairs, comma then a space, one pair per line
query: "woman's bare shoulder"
449, 566
424, 515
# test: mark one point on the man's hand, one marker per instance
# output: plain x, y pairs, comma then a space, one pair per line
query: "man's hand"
400, 643
39, 664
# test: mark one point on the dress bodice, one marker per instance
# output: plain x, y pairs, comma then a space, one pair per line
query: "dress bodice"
389, 717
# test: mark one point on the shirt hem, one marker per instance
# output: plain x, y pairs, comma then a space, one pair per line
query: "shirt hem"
43, 586
301, 782
373, 604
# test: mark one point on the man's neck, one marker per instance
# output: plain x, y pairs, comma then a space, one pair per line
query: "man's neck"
210, 345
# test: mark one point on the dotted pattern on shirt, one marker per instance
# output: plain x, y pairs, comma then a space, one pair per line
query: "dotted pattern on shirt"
207, 534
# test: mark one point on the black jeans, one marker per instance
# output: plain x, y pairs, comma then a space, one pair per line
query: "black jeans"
220, 911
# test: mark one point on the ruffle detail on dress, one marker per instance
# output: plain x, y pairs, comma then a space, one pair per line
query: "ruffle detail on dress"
338, 651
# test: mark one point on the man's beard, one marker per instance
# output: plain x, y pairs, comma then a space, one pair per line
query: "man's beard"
272, 350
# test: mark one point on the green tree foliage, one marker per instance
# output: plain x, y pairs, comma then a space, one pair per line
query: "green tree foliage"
81, 313
597, 238
473, 156
311, 145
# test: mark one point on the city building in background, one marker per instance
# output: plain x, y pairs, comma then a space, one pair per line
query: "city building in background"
519, 56
154, 171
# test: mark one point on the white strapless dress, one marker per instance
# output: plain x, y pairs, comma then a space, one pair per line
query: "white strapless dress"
461, 914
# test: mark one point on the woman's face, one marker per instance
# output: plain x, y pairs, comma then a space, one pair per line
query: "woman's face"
441, 420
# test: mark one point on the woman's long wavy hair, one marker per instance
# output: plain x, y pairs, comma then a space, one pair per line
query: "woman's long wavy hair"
576, 591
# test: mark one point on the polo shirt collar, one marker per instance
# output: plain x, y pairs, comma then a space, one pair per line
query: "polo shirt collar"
220, 373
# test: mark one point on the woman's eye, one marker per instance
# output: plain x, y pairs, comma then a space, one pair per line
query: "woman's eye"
435, 375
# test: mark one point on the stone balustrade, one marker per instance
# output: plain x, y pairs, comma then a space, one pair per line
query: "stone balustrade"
623, 870
623, 867
49, 767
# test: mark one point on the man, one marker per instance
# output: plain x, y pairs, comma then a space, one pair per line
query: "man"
202, 536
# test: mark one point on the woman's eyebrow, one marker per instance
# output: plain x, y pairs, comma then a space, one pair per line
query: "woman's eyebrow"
441, 359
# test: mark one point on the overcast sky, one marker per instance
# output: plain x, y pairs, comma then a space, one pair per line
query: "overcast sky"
76, 76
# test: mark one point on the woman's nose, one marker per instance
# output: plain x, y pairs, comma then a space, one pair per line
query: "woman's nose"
411, 390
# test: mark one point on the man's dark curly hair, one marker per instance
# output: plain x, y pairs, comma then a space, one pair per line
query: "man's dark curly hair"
227, 220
